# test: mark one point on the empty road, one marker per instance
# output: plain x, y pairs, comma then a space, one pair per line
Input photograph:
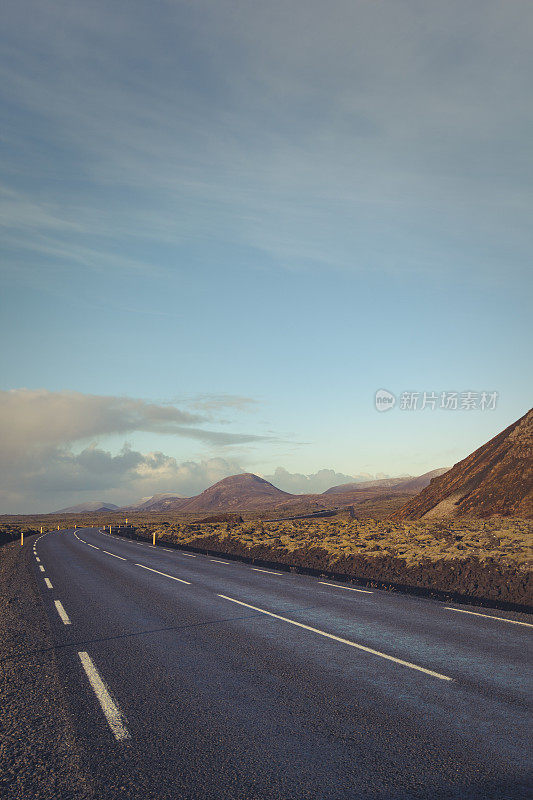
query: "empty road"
192, 677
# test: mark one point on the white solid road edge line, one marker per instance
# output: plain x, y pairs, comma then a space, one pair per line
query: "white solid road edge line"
489, 616
48, 583
351, 588
112, 712
342, 641
61, 611
164, 574
114, 555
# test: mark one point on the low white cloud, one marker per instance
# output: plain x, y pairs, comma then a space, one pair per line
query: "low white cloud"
48, 478
46, 463
51, 456
298, 483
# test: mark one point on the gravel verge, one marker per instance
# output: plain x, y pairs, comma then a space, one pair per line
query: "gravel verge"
39, 757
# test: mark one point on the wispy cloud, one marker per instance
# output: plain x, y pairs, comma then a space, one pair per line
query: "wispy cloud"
254, 129
216, 402
30, 418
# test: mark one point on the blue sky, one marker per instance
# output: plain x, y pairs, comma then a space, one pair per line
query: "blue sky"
259, 215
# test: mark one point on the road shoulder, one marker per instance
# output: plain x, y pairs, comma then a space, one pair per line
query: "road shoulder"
39, 757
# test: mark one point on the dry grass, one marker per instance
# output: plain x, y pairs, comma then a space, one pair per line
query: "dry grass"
508, 542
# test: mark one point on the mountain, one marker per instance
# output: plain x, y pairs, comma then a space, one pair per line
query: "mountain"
383, 483
245, 492
495, 479
249, 492
92, 505
406, 483
149, 503
417, 484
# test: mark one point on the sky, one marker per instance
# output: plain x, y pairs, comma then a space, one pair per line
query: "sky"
226, 226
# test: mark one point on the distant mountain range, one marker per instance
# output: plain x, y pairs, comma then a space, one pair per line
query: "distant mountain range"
249, 492
93, 505
495, 479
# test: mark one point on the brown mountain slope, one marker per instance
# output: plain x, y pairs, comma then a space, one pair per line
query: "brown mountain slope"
358, 486
417, 484
245, 492
406, 483
159, 502
496, 479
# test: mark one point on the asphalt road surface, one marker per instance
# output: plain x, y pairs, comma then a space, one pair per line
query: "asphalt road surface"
192, 677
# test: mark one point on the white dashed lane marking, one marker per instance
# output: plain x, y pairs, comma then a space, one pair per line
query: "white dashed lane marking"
114, 555
164, 574
341, 640
61, 611
41, 568
112, 712
48, 583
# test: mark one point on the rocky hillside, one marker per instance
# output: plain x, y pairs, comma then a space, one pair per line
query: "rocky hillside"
496, 479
